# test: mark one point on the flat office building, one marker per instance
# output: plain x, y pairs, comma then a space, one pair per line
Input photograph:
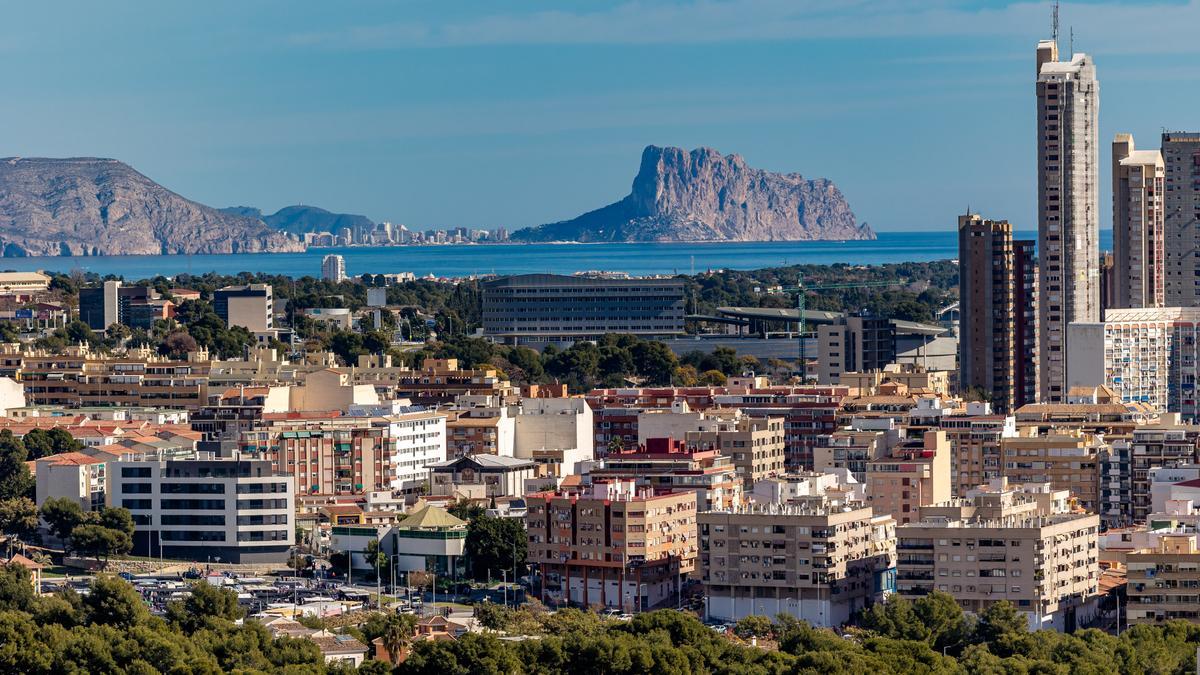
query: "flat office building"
997, 340
540, 309
1181, 211
1068, 165
1139, 268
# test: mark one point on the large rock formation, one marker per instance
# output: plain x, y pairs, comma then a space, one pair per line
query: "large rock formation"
704, 196
91, 206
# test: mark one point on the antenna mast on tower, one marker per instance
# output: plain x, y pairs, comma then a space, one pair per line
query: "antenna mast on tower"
1055, 23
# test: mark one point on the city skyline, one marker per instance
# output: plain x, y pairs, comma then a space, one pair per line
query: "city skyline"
540, 115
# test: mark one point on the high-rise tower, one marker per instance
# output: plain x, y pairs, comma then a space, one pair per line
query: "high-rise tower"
1138, 245
1181, 216
1068, 160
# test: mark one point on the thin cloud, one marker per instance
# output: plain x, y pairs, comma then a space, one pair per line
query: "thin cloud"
1151, 27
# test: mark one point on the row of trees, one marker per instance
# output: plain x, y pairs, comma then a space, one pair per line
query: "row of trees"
97, 534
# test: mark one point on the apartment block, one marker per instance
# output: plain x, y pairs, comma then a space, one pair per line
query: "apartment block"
1023, 544
1068, 166
1148, 355
1139, 251
1157, 446
915, 473
997, 342
1067, 461
819, 560
223, 510
670, 464
1181, 211
81, 477
333, 268
613, 545
754, 444
975, 439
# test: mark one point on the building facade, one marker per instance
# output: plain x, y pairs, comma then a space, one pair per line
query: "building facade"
1139, 252
997, 343
223, 510
1181, 212
249, 306
1068, 165
333, 268
541, 309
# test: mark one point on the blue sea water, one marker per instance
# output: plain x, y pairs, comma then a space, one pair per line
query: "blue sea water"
464, 260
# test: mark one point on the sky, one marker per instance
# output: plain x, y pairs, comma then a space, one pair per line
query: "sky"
485, 114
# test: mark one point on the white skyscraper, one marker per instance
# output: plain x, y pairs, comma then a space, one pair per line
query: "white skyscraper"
333, 268
1068, 162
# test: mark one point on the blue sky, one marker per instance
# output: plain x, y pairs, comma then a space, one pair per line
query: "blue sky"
439, 114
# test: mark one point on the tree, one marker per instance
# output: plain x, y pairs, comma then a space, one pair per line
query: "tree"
754, 625
655, 361
16, 588
998, 620
15, 479
42, 443
113, 602
206, 606
62, 515
19, 518
100, 542
178, 344
495, 544
712, 378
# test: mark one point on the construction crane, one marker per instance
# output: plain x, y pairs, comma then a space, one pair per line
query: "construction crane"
801, 304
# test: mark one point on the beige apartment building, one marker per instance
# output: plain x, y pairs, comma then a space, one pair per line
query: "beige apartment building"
755, 444
915, 473
975, 445
612, 545
1139, 254
816, 559
1024, 543
1068, 460
1164, 578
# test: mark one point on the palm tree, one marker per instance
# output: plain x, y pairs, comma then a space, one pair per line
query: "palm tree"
396, 636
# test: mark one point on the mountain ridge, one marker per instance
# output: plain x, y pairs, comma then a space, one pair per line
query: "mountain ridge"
81, 206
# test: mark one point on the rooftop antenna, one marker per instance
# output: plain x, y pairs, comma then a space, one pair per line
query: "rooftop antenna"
1056, 23
1072, 52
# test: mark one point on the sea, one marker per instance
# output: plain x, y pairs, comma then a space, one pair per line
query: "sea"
462, 260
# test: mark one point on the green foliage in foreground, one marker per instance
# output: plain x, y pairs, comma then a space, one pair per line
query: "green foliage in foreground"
111, 631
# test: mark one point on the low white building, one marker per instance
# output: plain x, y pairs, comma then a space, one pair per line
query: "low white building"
481, 477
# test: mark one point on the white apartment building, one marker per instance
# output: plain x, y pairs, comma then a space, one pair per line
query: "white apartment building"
333, 268
1144, 355
418, 440
1068, 165
226, 510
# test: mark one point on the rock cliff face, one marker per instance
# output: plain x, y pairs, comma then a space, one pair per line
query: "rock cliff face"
91, 206
704, 196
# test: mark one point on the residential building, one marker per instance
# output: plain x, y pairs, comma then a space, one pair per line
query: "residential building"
1068, 166
818, 559
915, 473
1024, 544
855, 446
1146, 355
1181, 212
861, 343
82, 478
996, 334
1162, 445
975, 439
223, 510
1068, 460
541, 309
613, 545
333, 268
481, 476
1139, 267
670, 464
250, 306
754, 444
430, 539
